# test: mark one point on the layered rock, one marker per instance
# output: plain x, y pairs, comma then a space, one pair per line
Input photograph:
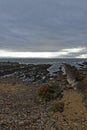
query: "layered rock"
74, 79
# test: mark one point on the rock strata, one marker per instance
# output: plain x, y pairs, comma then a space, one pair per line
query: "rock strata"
74, 80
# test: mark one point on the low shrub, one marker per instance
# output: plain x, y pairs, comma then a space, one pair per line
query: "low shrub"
49, 91
57, 106
84, 100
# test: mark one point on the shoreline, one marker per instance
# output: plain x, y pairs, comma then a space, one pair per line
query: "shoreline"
21, 106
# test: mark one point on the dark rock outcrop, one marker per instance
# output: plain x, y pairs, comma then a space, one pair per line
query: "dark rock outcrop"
30, 72
74, 80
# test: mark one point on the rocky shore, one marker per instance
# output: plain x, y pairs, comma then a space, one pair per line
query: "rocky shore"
26, 72
33, 99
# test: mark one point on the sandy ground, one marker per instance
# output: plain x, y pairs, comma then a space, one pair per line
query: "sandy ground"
21, 110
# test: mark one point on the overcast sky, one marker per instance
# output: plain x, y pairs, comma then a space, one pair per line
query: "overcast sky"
44, 26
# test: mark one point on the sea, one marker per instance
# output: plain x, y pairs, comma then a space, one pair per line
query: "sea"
55, 62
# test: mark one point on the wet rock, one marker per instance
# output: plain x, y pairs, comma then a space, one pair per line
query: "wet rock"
30, 73
84, 63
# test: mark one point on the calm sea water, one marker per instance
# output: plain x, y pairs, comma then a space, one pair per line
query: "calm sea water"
55, 62
42, 61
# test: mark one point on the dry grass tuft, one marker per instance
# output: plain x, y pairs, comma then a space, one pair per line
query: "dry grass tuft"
49, 91
57, 106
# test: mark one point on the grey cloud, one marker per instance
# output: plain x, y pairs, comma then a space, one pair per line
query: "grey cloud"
43, 25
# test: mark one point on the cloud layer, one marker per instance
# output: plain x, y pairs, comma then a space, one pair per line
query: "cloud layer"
62, 53
43, 26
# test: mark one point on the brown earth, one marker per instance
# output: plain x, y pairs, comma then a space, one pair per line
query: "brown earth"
20, 109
